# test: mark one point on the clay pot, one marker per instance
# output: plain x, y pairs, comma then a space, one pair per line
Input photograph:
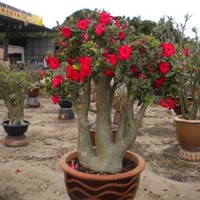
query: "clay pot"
188, 135
93, 132
121, 186
32, 99
34, 92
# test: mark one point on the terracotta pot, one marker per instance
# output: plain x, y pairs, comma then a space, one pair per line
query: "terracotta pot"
32, 100
121, 186
188, 135
34, 92
93, 132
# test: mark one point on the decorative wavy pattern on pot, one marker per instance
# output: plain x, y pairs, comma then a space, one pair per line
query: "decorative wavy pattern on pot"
121, 186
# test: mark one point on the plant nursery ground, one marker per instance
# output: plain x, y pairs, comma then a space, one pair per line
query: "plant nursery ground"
33, 172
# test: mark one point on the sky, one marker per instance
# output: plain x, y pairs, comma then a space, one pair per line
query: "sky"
57, 10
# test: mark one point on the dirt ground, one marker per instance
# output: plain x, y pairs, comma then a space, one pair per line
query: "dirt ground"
33, 172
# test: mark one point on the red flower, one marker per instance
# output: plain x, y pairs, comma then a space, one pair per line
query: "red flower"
83, 24
100, 29
63, 44
85, 37
55, 98
111, 58
75, 75
168, 49
121, 35
53, 62
70, 61
186, 52
58, 79
164, 67
85, 68
104, 18
159, 82
134, 70
41, 74
167, 103
66, 32
17, 171
72, 74
117, 24
108, 72
124, 52
112, 40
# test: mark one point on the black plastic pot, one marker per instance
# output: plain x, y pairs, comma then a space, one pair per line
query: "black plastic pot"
15, 134
65, 104
15, 130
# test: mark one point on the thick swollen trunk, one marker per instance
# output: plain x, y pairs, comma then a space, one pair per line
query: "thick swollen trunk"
109, 152
85, 147
15, 107
107, 157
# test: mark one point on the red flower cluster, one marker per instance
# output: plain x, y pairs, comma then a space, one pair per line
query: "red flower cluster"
58, 79
124, 52
110, 58
104, 18
102, 46
66, 32
83, 24
100, 29
55, 98
159, 82
186, 52
53, 62
168, 49
164, 67
79, 75
167, 103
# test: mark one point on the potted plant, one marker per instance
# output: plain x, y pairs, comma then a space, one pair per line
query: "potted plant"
14, 85
103, 50
59, 93
34, 89
186, 92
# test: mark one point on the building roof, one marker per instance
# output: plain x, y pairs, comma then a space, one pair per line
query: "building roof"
15, 20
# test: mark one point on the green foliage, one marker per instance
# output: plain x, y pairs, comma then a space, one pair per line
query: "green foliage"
14, 85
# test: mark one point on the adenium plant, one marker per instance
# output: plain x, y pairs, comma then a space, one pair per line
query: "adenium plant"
101, 50
185, 75
13, 89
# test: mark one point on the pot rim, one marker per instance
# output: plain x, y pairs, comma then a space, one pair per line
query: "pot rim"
5, 123
180, 118
73, 154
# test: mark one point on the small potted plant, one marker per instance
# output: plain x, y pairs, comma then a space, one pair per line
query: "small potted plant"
103, 50
34, 89
185, 88
14, 85
58, 88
